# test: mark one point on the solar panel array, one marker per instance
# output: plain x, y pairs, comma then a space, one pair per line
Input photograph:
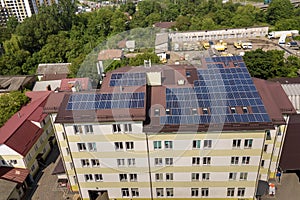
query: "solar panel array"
127, 79
218, 88
106, 101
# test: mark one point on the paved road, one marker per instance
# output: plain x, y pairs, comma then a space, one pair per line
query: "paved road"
287, 189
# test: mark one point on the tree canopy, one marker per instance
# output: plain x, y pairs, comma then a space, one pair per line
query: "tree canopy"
10, 104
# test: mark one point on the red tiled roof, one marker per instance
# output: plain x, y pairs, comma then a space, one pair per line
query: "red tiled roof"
275, 100
50, 77
54, 101
17, 175
67, 84
19, 132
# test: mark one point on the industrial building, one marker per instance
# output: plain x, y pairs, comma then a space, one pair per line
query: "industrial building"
172, 131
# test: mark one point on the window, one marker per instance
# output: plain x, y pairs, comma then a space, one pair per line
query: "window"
156, 112
85, 162
169, 192
92, 146
159, 192
207, 143
196, 144
169, 176
188, 74
168, 144
232, 176
248, 143
98, 177
127, 128
158, 176
246, 160
230, 192
116, 128
245, 110
32, 168
129, 145
121, 162
168, 112
205, 176
135, 192
206, 160
195, 176
265, 148
194, 192
95, 162
68, 151
196, 160
205, 111
157, 144
268, 137
88, 177
81, 146
233, 110
132, 177
77, 129
158, 161
262, 164
236, 143
36, 147
241, 192
235, 160
13, 162
204, 192
169, 161
71, 165
125, 192
123, 177
118, 146
131, 161
243, 175
88, 128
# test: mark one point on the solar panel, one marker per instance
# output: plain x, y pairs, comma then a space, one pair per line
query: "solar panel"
218, 87
106, 101
127, 79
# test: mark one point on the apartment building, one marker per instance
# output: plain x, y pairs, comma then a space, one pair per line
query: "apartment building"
172, 131
22, 9
26, 138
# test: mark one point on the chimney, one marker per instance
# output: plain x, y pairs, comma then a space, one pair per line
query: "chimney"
49, 88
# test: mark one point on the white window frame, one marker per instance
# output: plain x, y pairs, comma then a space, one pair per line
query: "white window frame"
123, 177
196, 160
246, 160
234, 160
157, 145
95, 162
169, 161
206, 160
98, 177
88, 129
133, 177
125, 192
194, 192
81, 146
135, 192
130, 162
158, 161
196, 144
241, 192
92, 146
85, 162
204, 192
230, 192
88, 177
116, 128
207, 144
129, 145
248, 143
120, 162
169, 192
159, 192
169, 177
205, 176
119, 146
195, 176
159, 177
236, 143
232, 176
168, 144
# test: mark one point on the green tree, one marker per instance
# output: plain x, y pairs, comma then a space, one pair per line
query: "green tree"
183, 23
10, 104
279, 9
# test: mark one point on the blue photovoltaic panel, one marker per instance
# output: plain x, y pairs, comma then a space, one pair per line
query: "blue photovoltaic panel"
106, 101
127, 79
218, 88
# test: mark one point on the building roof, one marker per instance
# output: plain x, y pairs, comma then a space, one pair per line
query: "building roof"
217, 95
161, 38
14, 83
290, 151
49, 77
276, 101
17, 175
53, 68
110, 54
6, 188
167, 25
43, 85
82, 83
59, 168
19, 132
285, 80
53, 102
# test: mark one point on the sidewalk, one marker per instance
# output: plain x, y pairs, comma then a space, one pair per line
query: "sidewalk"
287, 189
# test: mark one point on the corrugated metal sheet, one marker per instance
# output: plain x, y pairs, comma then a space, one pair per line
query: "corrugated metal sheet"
293, 92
